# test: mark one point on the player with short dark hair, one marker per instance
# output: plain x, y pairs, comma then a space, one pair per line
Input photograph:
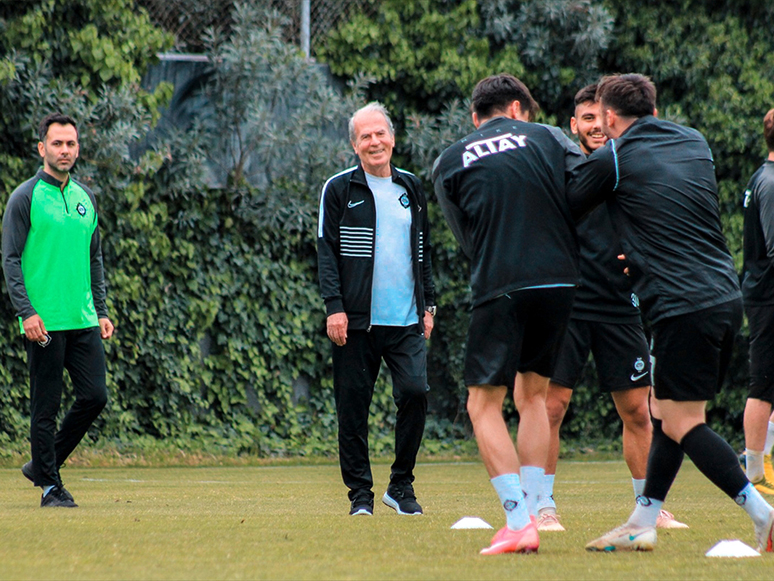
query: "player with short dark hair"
606, 323
758, 292
658, 179
502, 191
490, 94
52, 261
55, 118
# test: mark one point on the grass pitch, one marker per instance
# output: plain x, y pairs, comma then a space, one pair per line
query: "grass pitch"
291, 522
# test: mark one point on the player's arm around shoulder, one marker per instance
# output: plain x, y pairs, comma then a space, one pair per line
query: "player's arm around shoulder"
593, 180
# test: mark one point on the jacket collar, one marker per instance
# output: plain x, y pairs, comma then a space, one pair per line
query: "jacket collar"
639, 122
51, 180
359, 176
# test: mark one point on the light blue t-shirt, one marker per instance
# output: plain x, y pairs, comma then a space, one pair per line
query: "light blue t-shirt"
392, 294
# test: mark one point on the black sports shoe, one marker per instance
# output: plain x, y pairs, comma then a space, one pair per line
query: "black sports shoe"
27, 471
57, 497
362, 505
401, 497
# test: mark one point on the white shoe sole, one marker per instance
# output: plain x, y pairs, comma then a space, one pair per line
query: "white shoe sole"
644, 540
393, 504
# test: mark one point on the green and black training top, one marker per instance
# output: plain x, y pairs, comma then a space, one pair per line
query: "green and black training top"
52, 257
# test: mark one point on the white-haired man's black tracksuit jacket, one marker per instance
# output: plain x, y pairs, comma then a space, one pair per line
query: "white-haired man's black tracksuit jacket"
345, 245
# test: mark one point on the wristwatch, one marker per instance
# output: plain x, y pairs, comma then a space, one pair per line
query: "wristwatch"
431, 310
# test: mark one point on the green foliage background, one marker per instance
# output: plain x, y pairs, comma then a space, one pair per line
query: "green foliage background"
220, 339
712, 62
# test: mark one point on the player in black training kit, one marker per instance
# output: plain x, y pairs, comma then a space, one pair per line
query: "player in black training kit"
605, 322
658, 179
502, 191
758, 292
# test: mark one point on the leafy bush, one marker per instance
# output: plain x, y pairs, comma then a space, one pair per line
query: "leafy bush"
713, 65
220, 340
419, 53
42, 71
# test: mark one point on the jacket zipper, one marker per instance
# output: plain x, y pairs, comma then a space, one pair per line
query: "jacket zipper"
418, 279
64, 199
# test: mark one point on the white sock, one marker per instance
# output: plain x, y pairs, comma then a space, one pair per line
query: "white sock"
47, 489
639, 487
532, 484
754, 504
769, 439
547, 493
508, 488
646, 512
754, 462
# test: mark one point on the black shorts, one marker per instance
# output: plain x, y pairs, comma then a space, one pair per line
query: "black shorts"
761, 320
691, 352
620, 353
518, 332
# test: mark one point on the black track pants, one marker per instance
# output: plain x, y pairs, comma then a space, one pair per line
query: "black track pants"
355, 369
82, 354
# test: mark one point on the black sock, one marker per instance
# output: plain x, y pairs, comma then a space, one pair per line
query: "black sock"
715, 458
664, 461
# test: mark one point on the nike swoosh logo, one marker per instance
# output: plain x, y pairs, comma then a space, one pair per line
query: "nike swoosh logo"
351, 205
636, 377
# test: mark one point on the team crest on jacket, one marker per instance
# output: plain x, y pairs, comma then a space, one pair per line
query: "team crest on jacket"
404, 200
635, 301
81, 209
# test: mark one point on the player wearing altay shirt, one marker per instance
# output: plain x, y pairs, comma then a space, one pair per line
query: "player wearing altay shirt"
659, 181
502, 191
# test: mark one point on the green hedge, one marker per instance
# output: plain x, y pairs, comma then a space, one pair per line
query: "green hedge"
220, 336
713, 64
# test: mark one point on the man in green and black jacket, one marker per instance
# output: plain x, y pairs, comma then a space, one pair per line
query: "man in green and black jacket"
52, 260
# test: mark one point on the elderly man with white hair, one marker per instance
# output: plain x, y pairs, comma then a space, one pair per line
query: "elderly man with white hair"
373, 245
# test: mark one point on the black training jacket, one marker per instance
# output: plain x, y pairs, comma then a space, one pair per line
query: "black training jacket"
502, 191
758, 273
345, 244
605, 292
658, 179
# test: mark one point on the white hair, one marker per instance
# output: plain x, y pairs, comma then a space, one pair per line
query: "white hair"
372, 106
